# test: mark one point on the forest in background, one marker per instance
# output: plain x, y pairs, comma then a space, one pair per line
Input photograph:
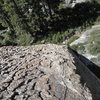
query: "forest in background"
26, 22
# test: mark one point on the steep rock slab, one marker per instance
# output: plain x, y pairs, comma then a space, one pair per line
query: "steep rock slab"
45, 72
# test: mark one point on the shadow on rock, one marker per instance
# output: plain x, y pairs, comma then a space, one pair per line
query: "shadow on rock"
90, 74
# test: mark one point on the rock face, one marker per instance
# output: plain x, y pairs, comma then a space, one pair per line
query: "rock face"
73, 2
45, 72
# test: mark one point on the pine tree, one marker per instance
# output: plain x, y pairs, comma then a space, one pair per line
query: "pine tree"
27, 17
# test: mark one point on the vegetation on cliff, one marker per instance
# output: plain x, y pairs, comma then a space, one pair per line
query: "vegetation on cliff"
30, 21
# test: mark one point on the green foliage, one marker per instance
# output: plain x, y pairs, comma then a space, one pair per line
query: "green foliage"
95, 49
94, 41
26, 18
8, 39
54, 38
78, 47
72, 39
41, 19
91, 46
24, 39
97, 21
94, 0
57, 38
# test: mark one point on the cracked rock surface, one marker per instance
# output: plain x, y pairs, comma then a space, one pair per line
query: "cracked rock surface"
45, 72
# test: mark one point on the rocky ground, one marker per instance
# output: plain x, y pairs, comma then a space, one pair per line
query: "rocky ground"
45, 72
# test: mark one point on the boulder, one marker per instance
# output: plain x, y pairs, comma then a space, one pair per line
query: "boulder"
45, 72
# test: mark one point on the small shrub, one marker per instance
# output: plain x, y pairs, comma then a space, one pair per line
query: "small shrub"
78, 47
7, 40
57, 37
94, 49
72, 39
74, 47
24, 39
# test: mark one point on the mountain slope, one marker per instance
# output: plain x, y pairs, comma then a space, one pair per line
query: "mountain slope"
88, 44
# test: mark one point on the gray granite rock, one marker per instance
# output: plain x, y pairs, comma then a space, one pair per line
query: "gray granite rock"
45, 72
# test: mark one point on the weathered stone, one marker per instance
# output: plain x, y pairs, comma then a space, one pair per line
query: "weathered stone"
45, 72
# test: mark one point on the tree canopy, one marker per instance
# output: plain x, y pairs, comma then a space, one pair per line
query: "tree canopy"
28, 20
